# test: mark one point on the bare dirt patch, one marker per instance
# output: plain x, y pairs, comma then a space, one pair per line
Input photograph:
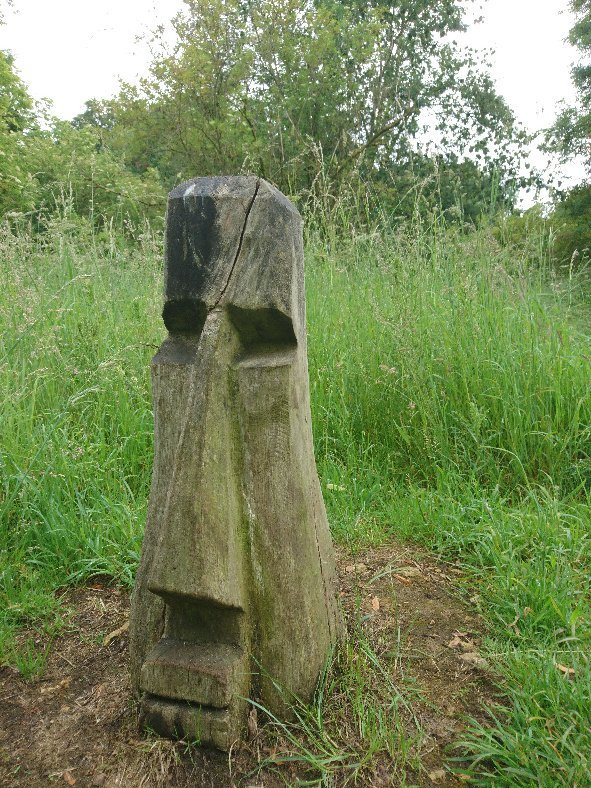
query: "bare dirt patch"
77, 724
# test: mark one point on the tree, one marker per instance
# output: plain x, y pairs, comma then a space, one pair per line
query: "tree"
311, 94
74, 170
45, 165
570, 136
16, 119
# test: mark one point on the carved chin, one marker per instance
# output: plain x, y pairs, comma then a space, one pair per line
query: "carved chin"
184, 720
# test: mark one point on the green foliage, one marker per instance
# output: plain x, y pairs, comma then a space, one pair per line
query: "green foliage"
327, 100
452, 189
451, 405
472, 363
316, 97
529, 235
562, 237
569, 137
73, 169
74, 346
48, 166
357, 714
571, 220
570, 134
16, 118
529, 565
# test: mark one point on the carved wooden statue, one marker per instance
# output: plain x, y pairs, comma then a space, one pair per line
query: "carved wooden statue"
235, 593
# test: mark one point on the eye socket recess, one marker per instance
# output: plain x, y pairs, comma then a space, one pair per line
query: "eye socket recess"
257, 328
262, 327
184, 316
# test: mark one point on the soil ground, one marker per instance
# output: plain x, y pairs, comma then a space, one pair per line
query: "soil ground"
76, 724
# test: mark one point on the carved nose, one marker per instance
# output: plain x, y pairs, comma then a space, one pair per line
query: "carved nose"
194, 674
199, 550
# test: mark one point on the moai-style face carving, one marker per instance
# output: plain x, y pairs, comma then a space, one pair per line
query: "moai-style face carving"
236, 586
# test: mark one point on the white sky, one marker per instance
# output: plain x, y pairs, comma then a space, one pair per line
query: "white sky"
72, 50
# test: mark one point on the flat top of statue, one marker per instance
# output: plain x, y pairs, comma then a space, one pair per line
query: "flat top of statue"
228, 187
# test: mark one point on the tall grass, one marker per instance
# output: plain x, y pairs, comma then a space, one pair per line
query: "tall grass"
444, 355
79, 324
451, 405
451, 387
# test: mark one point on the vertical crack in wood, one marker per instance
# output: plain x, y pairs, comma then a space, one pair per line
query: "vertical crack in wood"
239, 249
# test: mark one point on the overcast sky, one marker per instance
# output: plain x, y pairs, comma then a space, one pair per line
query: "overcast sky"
71, 50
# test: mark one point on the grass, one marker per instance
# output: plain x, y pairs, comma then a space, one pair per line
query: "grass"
358, 716
450, 382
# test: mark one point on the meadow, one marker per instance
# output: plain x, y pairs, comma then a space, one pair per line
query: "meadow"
451, 400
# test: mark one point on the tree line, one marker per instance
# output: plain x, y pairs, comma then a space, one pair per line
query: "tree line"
375, 106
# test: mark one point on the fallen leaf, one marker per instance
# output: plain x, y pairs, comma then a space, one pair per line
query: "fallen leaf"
564, 669
460, 639
409, 571
63, 684
252, 724
438, 774
474, 659
375, 603
355, 568
115, 633
68, 778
